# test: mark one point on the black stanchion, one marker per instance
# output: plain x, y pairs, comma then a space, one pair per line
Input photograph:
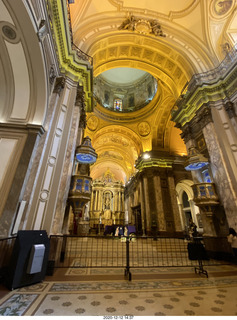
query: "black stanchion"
127, 272
196, 251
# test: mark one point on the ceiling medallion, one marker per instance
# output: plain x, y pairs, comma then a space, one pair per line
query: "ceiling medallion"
142, 26
144, 128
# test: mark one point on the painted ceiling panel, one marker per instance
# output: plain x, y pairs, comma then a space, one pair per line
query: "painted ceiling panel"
195, 31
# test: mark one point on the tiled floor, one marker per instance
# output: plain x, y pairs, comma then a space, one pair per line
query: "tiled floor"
105, 292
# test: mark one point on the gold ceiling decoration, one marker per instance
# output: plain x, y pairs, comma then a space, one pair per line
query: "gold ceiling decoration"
144, 128
131, 34
142, 26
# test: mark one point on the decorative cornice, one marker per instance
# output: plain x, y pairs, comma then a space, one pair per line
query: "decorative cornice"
33, 128
72, 64
210, 87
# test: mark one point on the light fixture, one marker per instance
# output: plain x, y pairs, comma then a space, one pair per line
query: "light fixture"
146, 156
195, 160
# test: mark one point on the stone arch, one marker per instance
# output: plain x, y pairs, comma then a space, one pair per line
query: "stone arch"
117, 147
193, 210
25, 100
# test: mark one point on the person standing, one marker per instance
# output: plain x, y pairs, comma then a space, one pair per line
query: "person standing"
232, 239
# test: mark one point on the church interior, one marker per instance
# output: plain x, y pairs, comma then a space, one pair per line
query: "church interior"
119, 117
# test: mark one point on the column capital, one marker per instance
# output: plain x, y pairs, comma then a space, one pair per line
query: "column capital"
229, 108
199, 121
186, 133
59, 85
204, 115
80, 102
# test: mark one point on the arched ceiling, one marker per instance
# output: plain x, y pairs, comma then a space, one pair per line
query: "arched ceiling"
23, 97
196, 33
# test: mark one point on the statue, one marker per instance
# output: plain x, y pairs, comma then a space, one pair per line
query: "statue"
107, 214
129, 23
107, 203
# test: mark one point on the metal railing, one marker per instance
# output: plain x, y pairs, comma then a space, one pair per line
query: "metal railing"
124, 252
6, 247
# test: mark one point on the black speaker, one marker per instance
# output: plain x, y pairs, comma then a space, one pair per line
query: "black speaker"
29, 259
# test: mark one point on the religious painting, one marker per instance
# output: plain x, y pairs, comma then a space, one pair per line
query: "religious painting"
222, 6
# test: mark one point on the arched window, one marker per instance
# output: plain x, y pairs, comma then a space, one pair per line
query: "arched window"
206, 176
185, 200
118, 104
186, 208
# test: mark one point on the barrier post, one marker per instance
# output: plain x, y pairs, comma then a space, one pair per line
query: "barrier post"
127, 272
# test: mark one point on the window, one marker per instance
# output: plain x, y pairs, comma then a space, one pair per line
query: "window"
206, 176
87, 185
118, 104
79, 185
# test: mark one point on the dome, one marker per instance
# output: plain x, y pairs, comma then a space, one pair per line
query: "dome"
124, 89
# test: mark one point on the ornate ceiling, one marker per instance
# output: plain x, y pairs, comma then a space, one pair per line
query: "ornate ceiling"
171, 40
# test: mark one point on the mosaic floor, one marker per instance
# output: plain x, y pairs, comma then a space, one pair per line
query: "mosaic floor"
195, 295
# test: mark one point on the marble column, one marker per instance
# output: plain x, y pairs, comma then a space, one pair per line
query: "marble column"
66, 174
174, 204
96, 200
159, 204
230, 110
229, 131
220, 174
123, 208
130, 215
92, 202
147, 205
143, 213
116, 201
119, 201
100, 202
40, 151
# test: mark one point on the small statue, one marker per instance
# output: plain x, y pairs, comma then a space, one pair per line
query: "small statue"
128, 24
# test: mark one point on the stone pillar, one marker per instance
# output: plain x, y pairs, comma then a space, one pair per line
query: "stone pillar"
143, 213
119, 201
159, 204
174, 204
231, 135
123, 208
222, 149
92, 202
230, 110
100, 201
67, 172
167, 205
147, 205
130, 217
54, 165
116, 201
220, 174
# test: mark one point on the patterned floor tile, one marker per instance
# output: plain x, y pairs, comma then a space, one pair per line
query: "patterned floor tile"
17, 304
